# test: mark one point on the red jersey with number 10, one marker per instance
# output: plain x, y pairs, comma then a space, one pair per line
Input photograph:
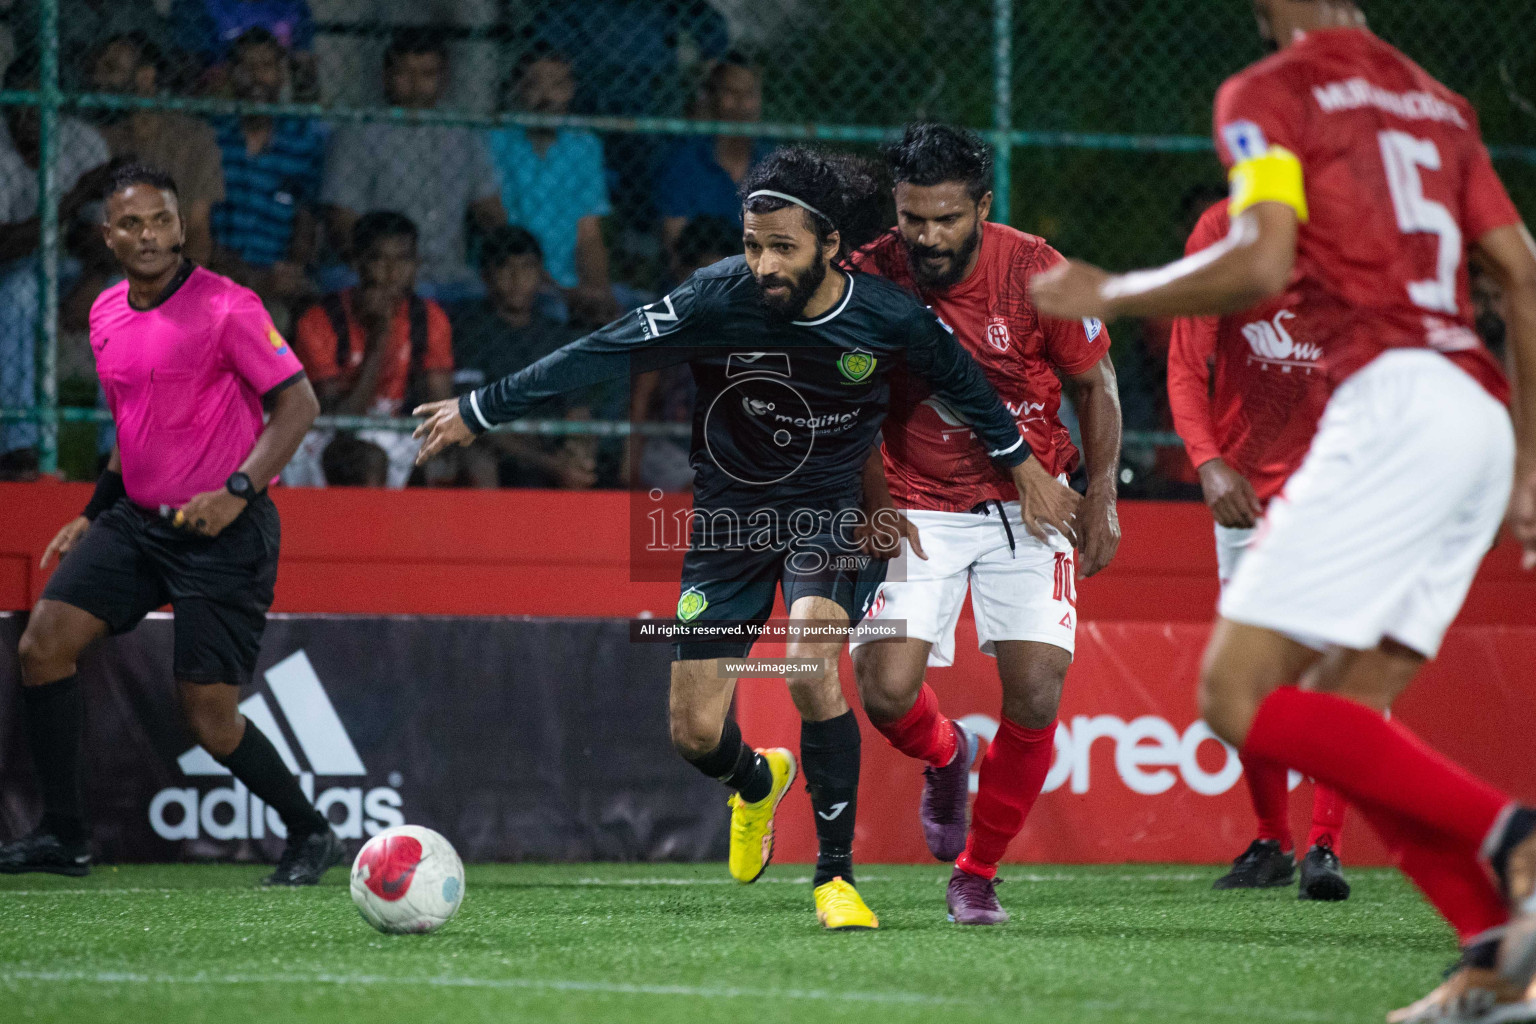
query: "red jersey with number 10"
1398, 185
932, 460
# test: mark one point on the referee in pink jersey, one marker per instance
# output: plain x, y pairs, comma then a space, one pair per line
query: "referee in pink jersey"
188, 361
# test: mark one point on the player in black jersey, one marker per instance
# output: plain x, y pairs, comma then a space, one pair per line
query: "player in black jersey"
792, 354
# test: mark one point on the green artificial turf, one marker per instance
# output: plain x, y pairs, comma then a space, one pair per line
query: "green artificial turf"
682, 944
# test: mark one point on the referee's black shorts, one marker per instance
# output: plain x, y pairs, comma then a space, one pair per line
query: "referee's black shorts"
132, 561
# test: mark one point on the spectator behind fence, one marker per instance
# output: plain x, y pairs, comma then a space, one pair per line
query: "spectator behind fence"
666, 396
629, 51
207, 30
434, 174
701, 174
184, 147
83, 26
264, 231
501, 334
553, 183
377, 349
82, 174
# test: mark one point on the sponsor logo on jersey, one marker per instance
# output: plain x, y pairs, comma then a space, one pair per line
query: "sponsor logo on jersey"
692, 604
756, 406
233, 813
751, 364
1272, 343
1354, 93
1245, 140
856, 366
276, 340
832, 422
997, 333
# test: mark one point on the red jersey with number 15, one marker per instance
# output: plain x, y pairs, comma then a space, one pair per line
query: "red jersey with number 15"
1398, 185
932, 460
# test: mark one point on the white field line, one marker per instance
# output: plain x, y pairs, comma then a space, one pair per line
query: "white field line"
525, 984
1149, 1007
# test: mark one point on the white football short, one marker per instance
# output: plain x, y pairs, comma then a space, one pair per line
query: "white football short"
1231, 542
1023, 592
1380, 532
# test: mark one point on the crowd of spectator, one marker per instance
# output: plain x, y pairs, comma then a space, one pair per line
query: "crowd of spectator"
407, 261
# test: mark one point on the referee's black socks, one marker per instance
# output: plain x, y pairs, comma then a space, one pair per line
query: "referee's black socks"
256, 762
737, 765
55, 724
829, 755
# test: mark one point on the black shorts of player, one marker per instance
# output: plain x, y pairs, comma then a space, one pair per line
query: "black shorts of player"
132, 561
738, 586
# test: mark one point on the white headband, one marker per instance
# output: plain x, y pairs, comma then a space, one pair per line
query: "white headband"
789, 199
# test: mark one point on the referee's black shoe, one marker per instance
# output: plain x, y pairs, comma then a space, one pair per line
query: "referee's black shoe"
1322, 877
1262, 866
44, 851
306, 859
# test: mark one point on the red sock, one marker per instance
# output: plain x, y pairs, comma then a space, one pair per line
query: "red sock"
1371, 760
1328, 806
1453, 881
1017, 762
923, 733
1269, 789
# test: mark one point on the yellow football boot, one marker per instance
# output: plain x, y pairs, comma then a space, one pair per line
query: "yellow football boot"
752, 824
839, 907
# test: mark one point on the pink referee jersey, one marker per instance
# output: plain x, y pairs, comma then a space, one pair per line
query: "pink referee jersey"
184, 380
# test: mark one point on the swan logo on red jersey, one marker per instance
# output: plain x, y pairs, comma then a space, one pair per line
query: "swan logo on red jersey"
997, 333
1272, 343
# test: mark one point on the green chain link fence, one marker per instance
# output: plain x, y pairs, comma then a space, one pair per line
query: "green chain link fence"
605, 129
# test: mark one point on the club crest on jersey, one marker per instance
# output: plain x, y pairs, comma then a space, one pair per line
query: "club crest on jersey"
1245, 140
691, 605
856, 366
278, 344
997, 333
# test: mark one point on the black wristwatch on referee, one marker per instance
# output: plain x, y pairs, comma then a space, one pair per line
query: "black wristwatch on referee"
240, 486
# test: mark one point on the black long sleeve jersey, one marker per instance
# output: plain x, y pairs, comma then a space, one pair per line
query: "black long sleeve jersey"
786, 411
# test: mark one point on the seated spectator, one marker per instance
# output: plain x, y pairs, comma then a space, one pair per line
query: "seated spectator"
553, 184
82, 173
184, 147
701, 174
501, 334
629, 50
264, 231
83, 26
207, 30
374, 350
666, 396
434, 174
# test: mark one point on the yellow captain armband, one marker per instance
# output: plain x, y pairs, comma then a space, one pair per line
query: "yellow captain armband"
1274, 177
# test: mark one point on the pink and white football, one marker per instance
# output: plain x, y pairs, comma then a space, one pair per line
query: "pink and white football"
407, 880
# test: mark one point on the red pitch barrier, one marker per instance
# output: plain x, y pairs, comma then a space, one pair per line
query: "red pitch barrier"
1136, 776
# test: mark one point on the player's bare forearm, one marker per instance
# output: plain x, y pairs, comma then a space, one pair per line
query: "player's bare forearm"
877, 491
1252, 263
1509, 253
293, 413
1096, 397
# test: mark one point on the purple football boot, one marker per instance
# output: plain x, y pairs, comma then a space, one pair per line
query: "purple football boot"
946, 792
973, 900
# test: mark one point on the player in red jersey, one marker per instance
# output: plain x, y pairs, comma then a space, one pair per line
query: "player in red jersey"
972, 531
1245, 438
1358, 183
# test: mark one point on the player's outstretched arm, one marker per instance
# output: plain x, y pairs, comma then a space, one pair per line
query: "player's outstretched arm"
1096, 397
1510, 256
1252, 263
884, 527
